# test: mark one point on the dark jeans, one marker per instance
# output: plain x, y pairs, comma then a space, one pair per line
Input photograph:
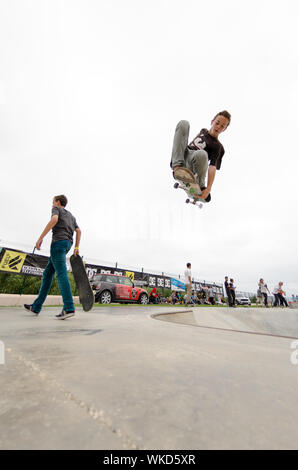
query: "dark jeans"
230, 300
282, 300
265, 298
57, 263
276, 301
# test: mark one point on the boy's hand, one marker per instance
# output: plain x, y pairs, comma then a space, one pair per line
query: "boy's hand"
205, 193
76, 251
38, 243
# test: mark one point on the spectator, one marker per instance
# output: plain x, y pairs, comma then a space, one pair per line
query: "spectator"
199, 297
259, 296
187, 275
276, 298
192, 299
211, 296
264, 291
280, 295
228, 292
153, 297
232, 290
204, 296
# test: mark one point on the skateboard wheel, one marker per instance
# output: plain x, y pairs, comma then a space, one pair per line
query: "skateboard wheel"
176, 185
187, 201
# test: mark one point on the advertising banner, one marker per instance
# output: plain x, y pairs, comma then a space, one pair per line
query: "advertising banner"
18, 262
31, 264
139, 278
177, 285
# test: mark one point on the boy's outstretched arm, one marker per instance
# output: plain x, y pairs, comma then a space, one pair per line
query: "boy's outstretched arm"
211, 176
48, 227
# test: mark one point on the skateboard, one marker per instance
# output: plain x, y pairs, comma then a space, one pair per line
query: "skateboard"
85, 291
186, 180
193, 191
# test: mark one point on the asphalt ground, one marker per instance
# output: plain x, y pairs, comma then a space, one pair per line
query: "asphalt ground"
119, 378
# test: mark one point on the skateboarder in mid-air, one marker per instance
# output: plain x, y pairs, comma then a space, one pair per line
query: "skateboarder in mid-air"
190, 161
63, 224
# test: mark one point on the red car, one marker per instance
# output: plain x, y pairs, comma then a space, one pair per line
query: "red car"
114, 288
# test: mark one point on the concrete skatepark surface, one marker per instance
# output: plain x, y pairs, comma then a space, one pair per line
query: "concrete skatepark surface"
119, 378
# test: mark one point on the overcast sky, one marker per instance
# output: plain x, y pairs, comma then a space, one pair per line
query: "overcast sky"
91, 92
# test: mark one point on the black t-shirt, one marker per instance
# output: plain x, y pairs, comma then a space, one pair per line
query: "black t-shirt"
205, 141
66, 225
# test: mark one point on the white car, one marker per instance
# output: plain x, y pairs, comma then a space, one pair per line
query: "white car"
243, 301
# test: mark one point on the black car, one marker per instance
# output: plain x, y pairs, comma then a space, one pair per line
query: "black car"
115, 288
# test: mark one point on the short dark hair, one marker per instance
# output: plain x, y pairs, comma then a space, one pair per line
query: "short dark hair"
188, 264
225, 114
62, 199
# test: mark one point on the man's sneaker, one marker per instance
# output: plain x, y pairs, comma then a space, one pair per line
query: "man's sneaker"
29, 307
208, 198
183, 174
63, 315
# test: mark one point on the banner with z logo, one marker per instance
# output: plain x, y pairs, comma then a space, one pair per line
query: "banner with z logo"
131, 275
12, 261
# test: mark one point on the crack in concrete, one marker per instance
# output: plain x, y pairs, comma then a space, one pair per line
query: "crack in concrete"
95, 414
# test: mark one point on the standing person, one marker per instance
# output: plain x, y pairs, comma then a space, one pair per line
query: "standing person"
282, 295
279, 295
259, 297
187, 275
211, 296
190, 161
228, 292
232, 290
276, 298
63, 224
264, 291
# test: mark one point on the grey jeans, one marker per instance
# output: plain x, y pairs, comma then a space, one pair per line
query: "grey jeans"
194, 160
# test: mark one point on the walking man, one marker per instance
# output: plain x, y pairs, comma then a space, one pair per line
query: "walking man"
187, 275
63, 224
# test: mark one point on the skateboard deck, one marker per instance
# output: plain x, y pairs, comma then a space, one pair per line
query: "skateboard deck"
193, 192
80, 276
